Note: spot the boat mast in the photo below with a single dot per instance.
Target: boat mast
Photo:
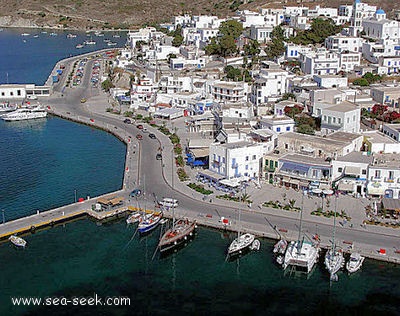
(334, 227)
(300, 243)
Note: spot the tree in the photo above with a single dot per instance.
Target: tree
(107, 85)
(213, 48)
(178, 40)
(276, 47)
(252, 48)
(305, 129)
(292, 111)
(231, 28)
(320, 29)
(227, 46)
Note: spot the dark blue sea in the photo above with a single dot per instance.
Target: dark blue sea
(44, 162)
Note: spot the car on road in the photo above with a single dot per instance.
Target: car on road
(139, 136)
(152, 136)
(158, 156)
(127, 121)
(135, 193)
(140, 126)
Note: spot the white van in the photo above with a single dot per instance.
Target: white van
(168, 203)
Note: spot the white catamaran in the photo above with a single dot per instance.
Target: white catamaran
(301, 254)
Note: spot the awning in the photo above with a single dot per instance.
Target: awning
(375, 190)
(233, 183)
(295, 182)
(211, 175)
(200, 152)
(286, 179)
(345, 186)
(288, 166)
(351, 170)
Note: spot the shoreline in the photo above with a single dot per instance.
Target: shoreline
(202, 220)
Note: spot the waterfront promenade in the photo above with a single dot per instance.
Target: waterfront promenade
(263, 221)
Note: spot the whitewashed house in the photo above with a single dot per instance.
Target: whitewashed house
(236, 160)
(384, 176)
(320, 62)
(344, 117)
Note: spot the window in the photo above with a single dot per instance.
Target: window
(278, 129)
(288, 128)
(377, 174)
(266, 162)
(391, 175)
(247, 167)
(254, 157)
(223, 159)
(247, 158)
(364, 171)
(340, 169)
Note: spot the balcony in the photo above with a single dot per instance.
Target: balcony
(389, 180)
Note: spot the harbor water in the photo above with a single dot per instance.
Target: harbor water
(44, 162)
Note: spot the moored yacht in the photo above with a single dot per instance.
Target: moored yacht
(240, 244)
(180, 232)
(302, 255)
(334, 260)
(355, 262)
(25, 114)
(148, 224)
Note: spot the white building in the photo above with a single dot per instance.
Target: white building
(359, 13)
(349, 60)
(228, 92)
(392, 130)
(384, 176)
(235, 160)
(344, 117)
(388, 95)
(261, 34)
(278, 123)
(340, 43)
(320, 62)
(330, 81)
(378, 27)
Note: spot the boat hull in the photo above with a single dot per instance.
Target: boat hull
(175, 238)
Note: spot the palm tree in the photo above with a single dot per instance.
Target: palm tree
(244, 198)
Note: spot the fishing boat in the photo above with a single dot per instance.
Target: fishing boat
(180, 232)
(133, 218)
(301, 254)
(355, 262)
(280, 247)
(70, 35)
(90, 42)
(78, 46)
(111, 43)
(334, 259)
(25, 114)
(18, 241)
(148, 224)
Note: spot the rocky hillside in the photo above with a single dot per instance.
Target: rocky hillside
(99, 14)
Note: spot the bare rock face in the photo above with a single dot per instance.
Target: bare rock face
(10, 21)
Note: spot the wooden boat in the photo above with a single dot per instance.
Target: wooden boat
(178, 234)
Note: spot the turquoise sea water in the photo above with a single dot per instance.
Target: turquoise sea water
(43, 162)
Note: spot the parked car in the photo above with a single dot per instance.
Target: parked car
(127, 121)
(135, 193)
(158, 156)
(140, 126)
(139, 136)
(152, 136)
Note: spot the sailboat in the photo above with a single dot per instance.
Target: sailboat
(180, 232)
(301, 254)
(241, 244)
(334, 259)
